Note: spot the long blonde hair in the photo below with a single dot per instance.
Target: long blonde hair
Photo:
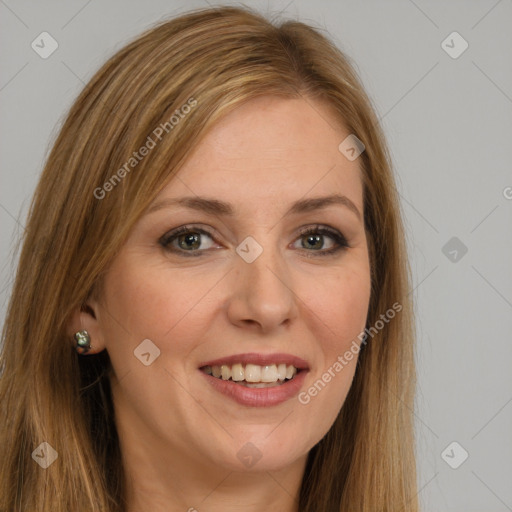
(221, 57)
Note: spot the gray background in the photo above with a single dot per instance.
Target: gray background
(449, 126)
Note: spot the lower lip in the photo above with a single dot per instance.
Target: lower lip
(258, 397)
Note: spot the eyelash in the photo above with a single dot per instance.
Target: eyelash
(341, 241)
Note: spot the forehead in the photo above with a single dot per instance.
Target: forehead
(270, 148)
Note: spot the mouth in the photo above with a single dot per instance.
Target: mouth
(253, 375)
(256, 380)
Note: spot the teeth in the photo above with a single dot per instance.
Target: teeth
(281, 372)
(253, 375)
(269, 373)
(290, 371)
(225, 372)
(237, 372)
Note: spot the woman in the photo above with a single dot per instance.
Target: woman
(211, 308)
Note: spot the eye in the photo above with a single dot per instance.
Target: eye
(313, 240)
(189, 241)
(186, 239)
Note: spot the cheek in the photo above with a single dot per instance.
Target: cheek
(138, 302)
(340, 312)
(156, 303)
(341, 309)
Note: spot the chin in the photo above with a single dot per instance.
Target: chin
(263, 451)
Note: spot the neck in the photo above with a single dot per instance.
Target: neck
(172, 476)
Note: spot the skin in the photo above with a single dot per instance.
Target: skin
(180, 437)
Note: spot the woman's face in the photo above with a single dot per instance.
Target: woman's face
(241, 284)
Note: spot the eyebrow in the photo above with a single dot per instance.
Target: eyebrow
(216, 207)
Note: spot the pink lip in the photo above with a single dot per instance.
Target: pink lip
(259, 359)
(257, 397)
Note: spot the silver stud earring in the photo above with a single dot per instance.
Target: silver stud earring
(83, 342)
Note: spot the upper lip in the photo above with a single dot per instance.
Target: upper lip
(259, 359)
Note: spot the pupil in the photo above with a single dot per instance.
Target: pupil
(313, 238)
(192, 240)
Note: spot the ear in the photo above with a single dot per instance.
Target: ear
(85, 318)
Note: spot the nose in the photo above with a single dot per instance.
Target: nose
(262, 293)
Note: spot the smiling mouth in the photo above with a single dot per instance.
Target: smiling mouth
(253, 375)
